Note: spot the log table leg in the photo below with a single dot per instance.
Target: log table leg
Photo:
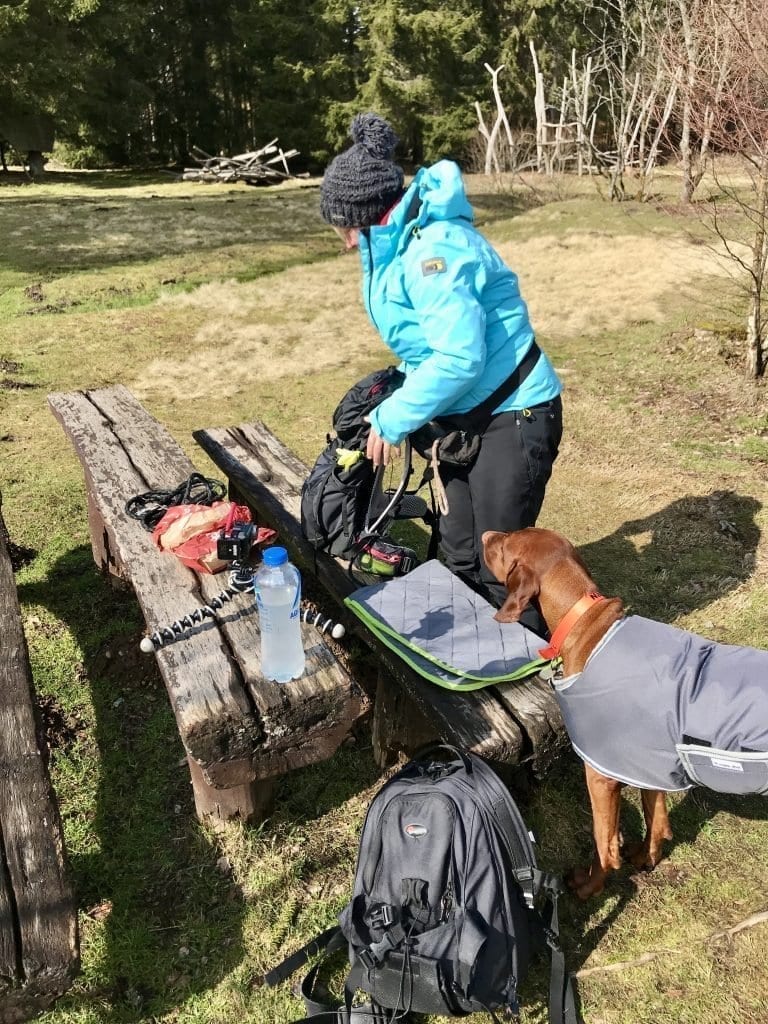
(398, 725)
(251, 803)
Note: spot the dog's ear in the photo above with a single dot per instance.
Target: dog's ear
(523, 585)
(493, 544)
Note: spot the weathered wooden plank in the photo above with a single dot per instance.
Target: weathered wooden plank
(218, 805)
(39, 951)
(532, 704)
(268, 477)
(306, 719)
(153, 452)
(398, 726)
(303, 721)
(236, 724)
(217, 723)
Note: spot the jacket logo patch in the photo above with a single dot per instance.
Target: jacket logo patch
(434, 266)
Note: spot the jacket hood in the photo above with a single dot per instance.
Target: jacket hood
(442, 194)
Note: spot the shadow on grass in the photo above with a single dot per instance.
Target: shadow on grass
(90, 232)
(680, 558)
(560, 814)
(171, 913)
(87, 230)
(95, 180)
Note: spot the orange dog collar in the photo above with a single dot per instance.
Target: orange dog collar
(567, 623)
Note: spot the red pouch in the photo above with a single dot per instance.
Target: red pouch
(191, 532)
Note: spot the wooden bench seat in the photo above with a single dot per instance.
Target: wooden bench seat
(39, 947)
(239, 731)
(505, 724)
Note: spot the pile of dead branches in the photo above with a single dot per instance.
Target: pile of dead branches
(265, 166)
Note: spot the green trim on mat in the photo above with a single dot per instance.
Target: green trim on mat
(387, 635)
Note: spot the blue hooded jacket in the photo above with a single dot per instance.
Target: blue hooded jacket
(445, 303)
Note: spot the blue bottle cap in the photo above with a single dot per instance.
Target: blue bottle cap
(275, 556)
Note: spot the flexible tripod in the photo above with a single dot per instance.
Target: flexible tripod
(240, 582)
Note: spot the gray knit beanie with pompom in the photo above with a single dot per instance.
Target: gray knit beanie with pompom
(362, 183)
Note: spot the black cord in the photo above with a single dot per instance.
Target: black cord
(150, 507)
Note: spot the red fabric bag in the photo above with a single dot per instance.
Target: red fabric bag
(191, 532)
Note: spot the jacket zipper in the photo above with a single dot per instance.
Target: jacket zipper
(370, 283)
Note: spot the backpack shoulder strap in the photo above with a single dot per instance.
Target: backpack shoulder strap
(562, 1000)
(326, 942)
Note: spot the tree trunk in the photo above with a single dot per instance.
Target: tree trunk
(686, 155)
(755, 349)
(540, 109)
(36, 163)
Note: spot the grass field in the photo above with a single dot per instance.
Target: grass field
(216, 304)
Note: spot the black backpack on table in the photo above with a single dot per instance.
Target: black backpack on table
(343, 507)
(445, 912)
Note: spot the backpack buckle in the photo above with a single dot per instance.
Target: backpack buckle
(374, 954)
(366, 957)
(526, 878)
(383, 916)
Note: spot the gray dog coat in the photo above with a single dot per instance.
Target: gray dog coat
(661, 708)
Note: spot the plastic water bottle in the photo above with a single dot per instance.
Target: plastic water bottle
(277, 585)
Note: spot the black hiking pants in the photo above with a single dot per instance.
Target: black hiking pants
(502, 490)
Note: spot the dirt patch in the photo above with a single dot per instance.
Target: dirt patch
(11, 383)
(53, 307)
(664, 875)
(60, 730)
(126, 666)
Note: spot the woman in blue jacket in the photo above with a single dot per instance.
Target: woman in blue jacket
(442, 299)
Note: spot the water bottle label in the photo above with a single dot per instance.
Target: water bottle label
(296, 609)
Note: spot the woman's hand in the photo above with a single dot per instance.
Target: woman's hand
(380, 451)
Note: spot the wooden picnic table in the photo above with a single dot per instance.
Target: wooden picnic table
(506, 724)
(240, 731)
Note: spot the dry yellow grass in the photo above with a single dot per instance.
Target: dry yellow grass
(304, 317)
(584, 282)
(313, 316)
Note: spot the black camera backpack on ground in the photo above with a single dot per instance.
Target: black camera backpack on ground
(444, 917)
(344, 509)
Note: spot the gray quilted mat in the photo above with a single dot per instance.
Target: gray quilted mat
(445, 630)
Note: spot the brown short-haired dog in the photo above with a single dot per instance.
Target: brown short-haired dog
(644, 703)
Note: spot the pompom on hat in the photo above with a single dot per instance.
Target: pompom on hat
(362, 183)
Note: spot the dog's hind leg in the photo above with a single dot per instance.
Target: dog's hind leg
(647, 854)
(605, 797)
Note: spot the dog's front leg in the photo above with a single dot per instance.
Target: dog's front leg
(605, 797)
(657, 828)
